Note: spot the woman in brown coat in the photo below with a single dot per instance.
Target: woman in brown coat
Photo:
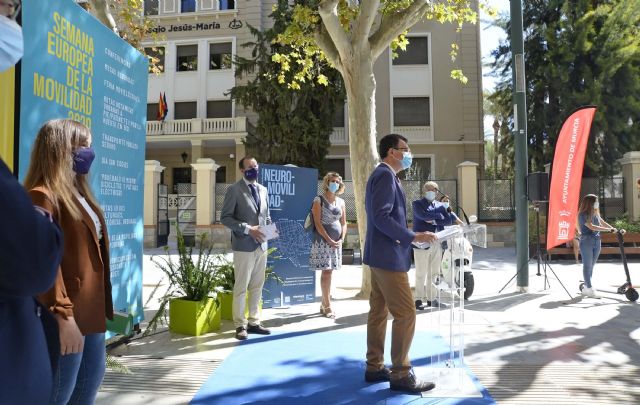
(81, 296)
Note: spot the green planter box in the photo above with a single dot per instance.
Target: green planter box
(226, 302)
(194, 317)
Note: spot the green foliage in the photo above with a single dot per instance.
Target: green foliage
(115, 365)
(578, 53)
(294, 120)
(624, 222)
(226, 276)
(187, 279)
(307, 25)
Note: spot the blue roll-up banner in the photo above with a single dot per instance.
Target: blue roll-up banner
(74, 67)
(291, 191)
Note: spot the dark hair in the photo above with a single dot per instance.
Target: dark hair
(389, 141)
(241, 162)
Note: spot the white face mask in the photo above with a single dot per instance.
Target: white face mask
(430, 195)
(11, 46)
(596, 205)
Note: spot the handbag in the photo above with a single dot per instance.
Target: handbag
(309, 224)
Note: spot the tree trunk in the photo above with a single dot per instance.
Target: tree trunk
(360, 84)
(496, 131)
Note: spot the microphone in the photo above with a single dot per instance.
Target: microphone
(466, 218)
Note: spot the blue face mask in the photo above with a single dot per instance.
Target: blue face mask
(82, 159)
(251, 174)
(407, 159)
(333, 187)
(430, 195)
(446, 204)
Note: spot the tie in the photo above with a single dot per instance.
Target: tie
(254, 192)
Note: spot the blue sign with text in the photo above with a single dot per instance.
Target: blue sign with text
(74, 67)
(291, 191)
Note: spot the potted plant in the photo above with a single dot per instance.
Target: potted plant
(194, 308)
(226, 280)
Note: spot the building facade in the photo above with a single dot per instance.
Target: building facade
(415, 95)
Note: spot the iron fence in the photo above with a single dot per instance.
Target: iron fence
(496, 200)
(610, 192)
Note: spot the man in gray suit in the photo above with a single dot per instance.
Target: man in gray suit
(245, 210)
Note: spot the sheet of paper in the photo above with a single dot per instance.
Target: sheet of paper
(449, 232)
(270, 231)
(421, 245)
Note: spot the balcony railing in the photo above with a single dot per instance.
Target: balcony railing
(197, 126)
(415, 133)
(339, 136)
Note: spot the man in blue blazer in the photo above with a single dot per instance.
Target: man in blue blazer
(244, 211)
(429, 215)
(31, 248)
(387, 251)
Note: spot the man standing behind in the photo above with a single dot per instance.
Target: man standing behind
(387, 251)
(244, 211)
(428, 215)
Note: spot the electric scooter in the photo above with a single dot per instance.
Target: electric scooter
(626, 288)
(459, 253)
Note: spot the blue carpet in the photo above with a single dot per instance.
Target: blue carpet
(315, 368)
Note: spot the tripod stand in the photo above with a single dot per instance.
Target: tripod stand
(541, 258)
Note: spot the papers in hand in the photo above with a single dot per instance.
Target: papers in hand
(421, 245)
(450, 232)
(269, 231)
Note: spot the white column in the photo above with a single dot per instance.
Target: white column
(631, 171)
(152, 171)
(468, 187)
(205, 186)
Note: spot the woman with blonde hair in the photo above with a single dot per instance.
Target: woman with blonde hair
(80, 299)
(590, 224)
(330, 221)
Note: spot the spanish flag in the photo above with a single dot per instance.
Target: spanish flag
(162, 107)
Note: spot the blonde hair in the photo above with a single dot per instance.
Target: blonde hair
(430, 184)
(51, 164)
(586, 206)
(327, 178)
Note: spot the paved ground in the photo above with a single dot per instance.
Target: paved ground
(525, 348)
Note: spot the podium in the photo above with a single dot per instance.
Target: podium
(447, 368)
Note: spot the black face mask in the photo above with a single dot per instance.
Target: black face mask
(251, 174)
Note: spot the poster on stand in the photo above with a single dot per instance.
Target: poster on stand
(291, 191)
(74, 67)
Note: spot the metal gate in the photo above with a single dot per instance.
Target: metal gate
(186, 214)
(162, 226)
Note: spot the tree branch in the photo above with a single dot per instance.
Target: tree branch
(325, 42)
(328, 10)
(364, 22)
(102, 11)
(395, 25)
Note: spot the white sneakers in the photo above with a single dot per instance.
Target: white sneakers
(589, 292)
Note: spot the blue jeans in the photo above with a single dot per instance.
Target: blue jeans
(79, 375)
(590, 250)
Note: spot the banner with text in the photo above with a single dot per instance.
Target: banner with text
(291, 191)
(566, 176)
(74, 67)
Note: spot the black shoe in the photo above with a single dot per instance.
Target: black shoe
(410, 383)
(377, 376)
(419, 305)
(258, 329)
(241, 333)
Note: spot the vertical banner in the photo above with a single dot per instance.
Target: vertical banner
(74, 67)
(566, 176)
(291, 191)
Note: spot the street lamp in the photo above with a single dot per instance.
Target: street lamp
(184, 156)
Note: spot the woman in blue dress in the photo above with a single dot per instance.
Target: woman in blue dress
(590, 224)
(330, 221)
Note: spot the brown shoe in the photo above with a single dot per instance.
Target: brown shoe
(241, 333)
(410, 383)
(377, 376)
